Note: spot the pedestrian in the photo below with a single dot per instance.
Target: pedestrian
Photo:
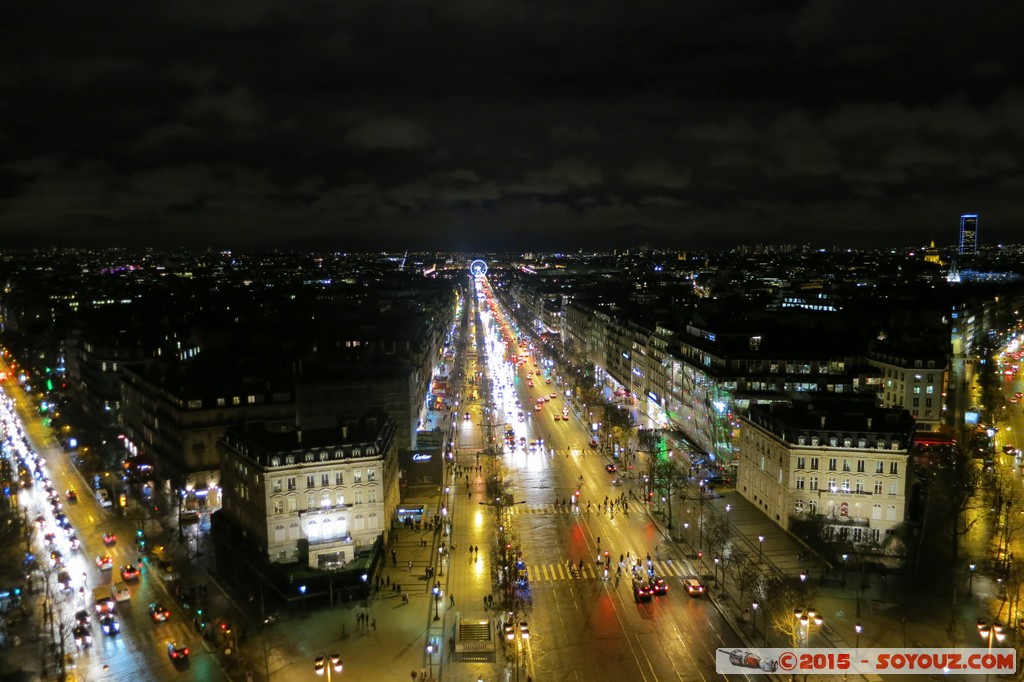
(451, 600)
(394, 558)
(387, 580)
(373, 624)
(410, 567)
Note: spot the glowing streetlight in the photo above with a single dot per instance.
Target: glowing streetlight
(324, 664)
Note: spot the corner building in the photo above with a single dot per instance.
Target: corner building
(844, 469)
(315, 497)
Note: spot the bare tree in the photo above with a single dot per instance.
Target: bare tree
(781, 597)
(745, 573)
(267, 654)
(956, 480)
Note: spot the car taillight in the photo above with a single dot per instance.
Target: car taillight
(185, 652)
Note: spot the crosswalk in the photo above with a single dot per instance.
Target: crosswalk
(591, 571)
(527, 509)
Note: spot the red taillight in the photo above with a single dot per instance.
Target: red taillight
(185, 653)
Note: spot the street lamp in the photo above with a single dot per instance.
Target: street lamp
(728, 508)
(320, 665)
(805, 618)
(991, 631)
(970, 580)
(753, 619)
(437, 599)
(430, 659)
(717, 560)
(760, 547)
(858, 628)
(517, 637)
(686, 531)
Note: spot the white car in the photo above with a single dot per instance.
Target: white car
(103, 497)
(120, 592)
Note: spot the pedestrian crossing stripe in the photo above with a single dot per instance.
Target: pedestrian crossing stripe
(554, 509)
(558, 572)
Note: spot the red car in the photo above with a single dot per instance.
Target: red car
(129, 572)
(641, 591)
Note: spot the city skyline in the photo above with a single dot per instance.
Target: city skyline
(491, 127)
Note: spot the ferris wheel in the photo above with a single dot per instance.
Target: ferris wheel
(478, 268)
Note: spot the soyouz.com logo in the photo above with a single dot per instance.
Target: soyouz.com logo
(920, 661)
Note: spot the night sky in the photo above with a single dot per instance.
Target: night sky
(529, 124)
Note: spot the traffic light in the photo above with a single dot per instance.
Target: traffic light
(700, 555)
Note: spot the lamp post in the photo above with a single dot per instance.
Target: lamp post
(858, 628)
(805, 618)
(991, 631)
(440, 561)
(728, 508)
(753, 619)
(686, 531)
(760, 547)
(437, 598)
(970, 580)
(517, 636)
(717, 560)
(322, 664)
(430, 659)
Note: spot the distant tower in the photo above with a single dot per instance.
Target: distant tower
(968, 234)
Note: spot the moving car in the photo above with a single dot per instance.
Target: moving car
(158, 613)
(120, 592)
(83, 617)
(64, 580)
(610, 468)
(641, 591)
(109, 539)
(658, 585)
(109, 624)
(56, 558)
(103, 497)
(105, 562)
(83, 636)
(72, 495)
(104, 603)
(129, 572)
(694, 587)
(177, 651)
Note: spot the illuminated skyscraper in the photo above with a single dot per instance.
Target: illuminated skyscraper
(968, 234)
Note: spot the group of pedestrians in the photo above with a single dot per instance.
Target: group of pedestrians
(363, 619)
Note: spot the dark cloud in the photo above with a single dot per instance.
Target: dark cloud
(489, 124)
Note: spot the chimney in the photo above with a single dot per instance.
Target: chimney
(869, 423)
(298, 434)
(344, 432)
(822, 421)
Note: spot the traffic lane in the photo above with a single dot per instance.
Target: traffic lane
(685, 628)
